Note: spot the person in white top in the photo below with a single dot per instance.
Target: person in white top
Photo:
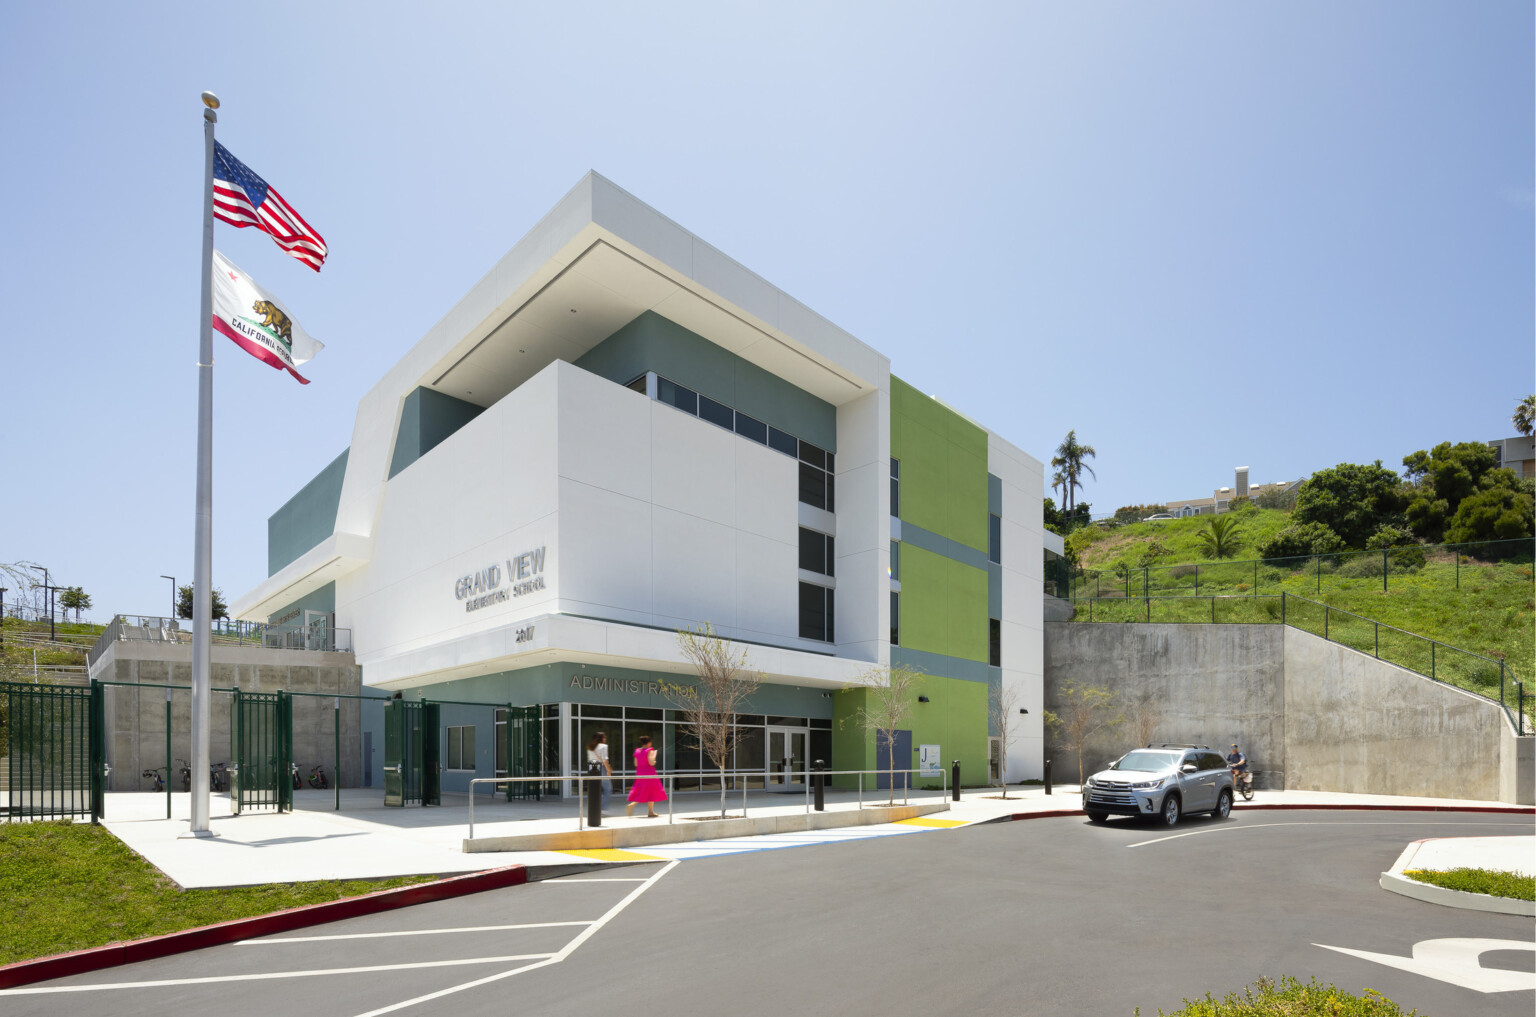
(597, 752)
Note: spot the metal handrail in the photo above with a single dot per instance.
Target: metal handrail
(670, 777)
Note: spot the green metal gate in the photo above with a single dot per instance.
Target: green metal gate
(412, 753)
(262, 727)
(53, 737)
(523, 751)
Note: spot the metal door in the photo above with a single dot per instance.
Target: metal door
(787, 758)
(523, 751)
(54, 747)
(262, 724)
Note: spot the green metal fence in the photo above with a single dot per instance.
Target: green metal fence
(1452, 566)
(52, 736)
(524, 751)
(262, 727)
(1470, 672)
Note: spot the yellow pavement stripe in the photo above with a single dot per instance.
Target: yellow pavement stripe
(940, 823)
(613, 855)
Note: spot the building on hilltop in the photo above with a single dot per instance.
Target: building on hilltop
(621, 432)
(1517, 454)
(1221, 498)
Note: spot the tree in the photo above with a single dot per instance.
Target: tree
(1301, 540)
(1084, 711)
(1221, 537)
(890, 696)
(184, 603)
(1525, 416)
(1146, 713)
(1281, 498)
(1002, 704)
(1069, 460)
(1053, 518)
(1352, 500)
(1136, 513)
(75, 599)
(709, 708)
(1442, 477)
(1501, 511)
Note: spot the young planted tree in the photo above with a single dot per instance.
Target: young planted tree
(890, 696)
(1145, 714)
(1085, 710)
(1001, 706)
(75, 599)
(184, 603)
(709, 709)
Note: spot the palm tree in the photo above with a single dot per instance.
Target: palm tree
(1058, 482)
(1220, 537)
(1069, 460)
(1525, 416)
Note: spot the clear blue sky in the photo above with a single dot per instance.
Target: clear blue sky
(1204, 235)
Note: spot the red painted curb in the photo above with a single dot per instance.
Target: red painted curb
(1516, 810)
(95, 958)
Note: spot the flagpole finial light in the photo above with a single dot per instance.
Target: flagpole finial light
(210, 100)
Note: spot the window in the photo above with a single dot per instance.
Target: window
(896, 487)
(895, 618)
(638, 385)
(461, 748)
(717, 413)
(816, 552)
(816, 613)
(749, 427)
(994, 538)
(685, 399)
(782, 441)
(816, 469)
(896, 560)
(996, 642)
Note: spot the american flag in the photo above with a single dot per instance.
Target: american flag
(241, 198)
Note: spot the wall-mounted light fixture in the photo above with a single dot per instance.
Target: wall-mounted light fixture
(922, 699)
(1023, 710)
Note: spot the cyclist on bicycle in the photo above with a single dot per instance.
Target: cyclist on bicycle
(1238, 764)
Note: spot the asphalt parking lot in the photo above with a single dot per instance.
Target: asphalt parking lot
(1050, 916)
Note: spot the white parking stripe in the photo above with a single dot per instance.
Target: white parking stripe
(212, 979)
(412, 932)
(1234, 827)
(556, 959)
(639, 879)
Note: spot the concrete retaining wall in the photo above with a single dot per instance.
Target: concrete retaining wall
(1215, 685)
(1311, 715)
(135, 718)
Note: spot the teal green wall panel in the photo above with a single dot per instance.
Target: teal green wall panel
(323, 599)
(654, 343)
(307, 518)
(427, 418)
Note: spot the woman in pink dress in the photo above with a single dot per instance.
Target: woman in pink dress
(647, 787)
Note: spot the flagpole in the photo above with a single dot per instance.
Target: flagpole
(202, 555)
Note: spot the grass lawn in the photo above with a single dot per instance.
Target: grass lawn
(1493, 882)
(1290, 998)
(67, 886)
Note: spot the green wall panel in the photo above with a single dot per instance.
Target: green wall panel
(943, 466)
(427, 419)
(307, 518)
(943, 605)
(654, 343)
(323, 599)
(954, 718)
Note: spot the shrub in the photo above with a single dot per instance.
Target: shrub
(1299, 540)
(1406, 552)
(1361, 566)
(1493, 882)
(1290, 998)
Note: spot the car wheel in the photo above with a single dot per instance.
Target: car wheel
(1170, 811)
(1099, 817)
(1223, 805)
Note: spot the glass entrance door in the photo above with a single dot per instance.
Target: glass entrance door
(787, 758)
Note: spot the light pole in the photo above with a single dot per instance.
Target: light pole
(173, 595)
(47, 599)
(2, 615)
(51, 590)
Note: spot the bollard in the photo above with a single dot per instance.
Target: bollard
(818, 786)
(1047, 776)
(954, 780)
(594, 792)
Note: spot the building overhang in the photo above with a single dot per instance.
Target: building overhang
(554, 638)
(327, 561)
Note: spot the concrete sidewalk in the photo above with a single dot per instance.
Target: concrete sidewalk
(365, 840)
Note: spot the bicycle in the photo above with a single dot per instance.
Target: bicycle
(158, 776)
(1242, 783)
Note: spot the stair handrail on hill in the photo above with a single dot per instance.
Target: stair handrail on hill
(1472, 669)
(1519, 549)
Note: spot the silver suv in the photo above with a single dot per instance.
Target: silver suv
(1161, 780)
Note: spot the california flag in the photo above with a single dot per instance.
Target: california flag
(257, 321)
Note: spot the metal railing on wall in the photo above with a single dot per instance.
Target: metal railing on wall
(226, 632)
(1471, 672)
